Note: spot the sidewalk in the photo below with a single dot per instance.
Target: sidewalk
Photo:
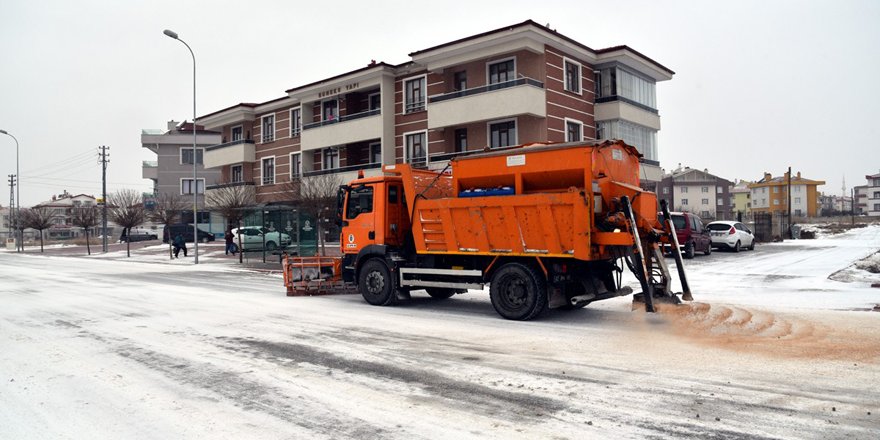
(157, 252)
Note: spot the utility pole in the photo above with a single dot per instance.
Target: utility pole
(789, 203)
(11, 226)
(104, 159)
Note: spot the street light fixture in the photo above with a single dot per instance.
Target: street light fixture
(17, 217)
(195, 184)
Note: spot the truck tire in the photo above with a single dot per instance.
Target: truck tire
(376, 284)
(518, 292)
(440, 293)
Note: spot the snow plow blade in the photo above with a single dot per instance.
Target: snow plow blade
(306, 276)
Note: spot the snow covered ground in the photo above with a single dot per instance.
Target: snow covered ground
(144, 347)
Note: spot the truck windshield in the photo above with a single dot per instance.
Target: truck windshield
(360, 200)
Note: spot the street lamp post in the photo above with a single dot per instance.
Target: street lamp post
(195, 184)
(17, 217)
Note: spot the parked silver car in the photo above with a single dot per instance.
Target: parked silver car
(253, 237)
(730, 234)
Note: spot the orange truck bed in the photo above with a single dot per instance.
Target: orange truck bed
(546, 196)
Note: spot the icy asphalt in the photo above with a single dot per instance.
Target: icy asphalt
(143, 347)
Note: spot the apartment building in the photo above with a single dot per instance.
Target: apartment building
(868, 196)
(61, 208)
(697, 191)
(518, 84)
(172, 171)
(770, 195)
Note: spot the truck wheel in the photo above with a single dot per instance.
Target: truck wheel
(517, 292)
(440, 293)
(689, 250)
(375, 283)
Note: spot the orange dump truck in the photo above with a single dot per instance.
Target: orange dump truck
(544, 225)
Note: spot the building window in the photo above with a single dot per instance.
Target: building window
(684, 202)
(797, 189)
(876, 195)
(186, 156)
(776, 189)
(376, 152)
(460, 140)
(684, 190)
(572, 76)
(268, 128)
(415, 95)
(719, 202)
(704, 189)
(503, 71)
(235, 174)
(295, 165)
(416, 148)
(236, 133)
(665, 190)
(330, 110)
(776, 202)
(797, 212)
(268, 171)
(295, 122)
(877, 207)
(186, 186)
(375, 101)
(705, 201)
(797, 200)
(331, 159)
(459, 81)
(616, 81)
(719, 190)
(573, 130)
(641, 137)
(502, 134)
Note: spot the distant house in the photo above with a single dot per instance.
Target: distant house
(868, 196)
(697, 191)
(742, 199)
(770, 195)
(62, 206)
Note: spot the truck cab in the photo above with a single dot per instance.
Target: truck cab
(373, 215)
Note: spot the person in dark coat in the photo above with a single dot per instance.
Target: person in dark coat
(230, 245)
(179, 243)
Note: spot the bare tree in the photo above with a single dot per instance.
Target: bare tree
(167, 213)
(127, 210)
(316, 196)
(231, 201)
(85, 217)
(39, 218)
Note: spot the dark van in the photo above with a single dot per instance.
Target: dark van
(187, 232)
(692, 235)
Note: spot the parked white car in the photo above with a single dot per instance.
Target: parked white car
(731, 235)
(253, 237)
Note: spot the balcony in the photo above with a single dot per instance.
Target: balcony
(523, 96)
(347, 129)
(230, 153)
(151, 169)
(244, 192)
(625, 109)
(344, 170)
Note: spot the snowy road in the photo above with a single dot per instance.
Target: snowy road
(99, 348)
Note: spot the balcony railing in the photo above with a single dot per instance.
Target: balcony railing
(366, 166)
(150, 164)
(228, 144)
(489, 88)
(613, 98)
(229, 185)
(342, 119)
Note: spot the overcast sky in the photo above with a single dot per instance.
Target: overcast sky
(759, 85)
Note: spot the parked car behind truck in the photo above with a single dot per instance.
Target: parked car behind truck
(731, 235)
(255, 237)
(693, 236)
(187, 232)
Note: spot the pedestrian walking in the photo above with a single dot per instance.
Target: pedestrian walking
(179, 243)
(230, 244)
